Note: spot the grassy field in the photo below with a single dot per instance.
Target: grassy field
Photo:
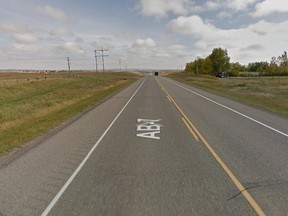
(268, 93)
(31, 104)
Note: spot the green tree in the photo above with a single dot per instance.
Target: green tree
(283, 59)
(207, 67)
(236, 68)
(258, 67)
(200, 66)
(273, 67)
(189, 67)
(220, 60)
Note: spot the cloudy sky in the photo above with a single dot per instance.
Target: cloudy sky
(150, 34)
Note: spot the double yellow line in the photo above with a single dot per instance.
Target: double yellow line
(197, 135)
(185, 119)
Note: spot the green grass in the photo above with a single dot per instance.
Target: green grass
(35, 104)
(268, 93)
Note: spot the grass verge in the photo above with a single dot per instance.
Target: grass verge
(268, 93)
(36, 103)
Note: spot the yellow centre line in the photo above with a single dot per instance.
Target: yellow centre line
(169, 98)
(190, 129)
(233, 178)
(190, 126)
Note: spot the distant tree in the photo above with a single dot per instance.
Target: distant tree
(220, 60)
(200, 66)
(252, 67)
(273, 61)
(284, 64)
(283, 59)
(207, 66)
(189, 67)
(258, 67)
(262, 67)
(236, 68)
(273, 67)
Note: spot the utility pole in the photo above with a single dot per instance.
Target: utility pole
(120, 62)
(96, 61)
(68, 61)
(197, 69)
(102, 56)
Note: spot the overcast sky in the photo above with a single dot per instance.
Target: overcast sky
(154, 34)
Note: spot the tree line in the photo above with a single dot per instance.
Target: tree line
(219, 61)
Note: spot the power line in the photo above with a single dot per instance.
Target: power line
(68, 61)
(102, 55)
(120, 64)
(96, 60)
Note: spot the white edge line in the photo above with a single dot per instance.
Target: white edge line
(254, 120)
(68, 182)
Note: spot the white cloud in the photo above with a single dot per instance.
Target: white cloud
(268, 7)
(239, 5)
(192, 25)
(143, 47)
(2, 55)
(224, 14)
(253, 47)
(79, 40)
(72, 48)
(159, 56)
(262, 39)
(144, 43)
(160, 8)
(54, 13)
(12, 27)
(68, 48)
(27, 47)
(205, 31)
(177, 51)
(262, 27)
(26, 38)
(61, 32)
(212, 5)
(201, 45)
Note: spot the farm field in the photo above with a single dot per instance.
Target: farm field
(268, 93)
(32, 103)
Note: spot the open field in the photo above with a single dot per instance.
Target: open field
(31, 104)
(268, 93)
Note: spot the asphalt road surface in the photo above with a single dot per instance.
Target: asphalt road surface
(156, 148)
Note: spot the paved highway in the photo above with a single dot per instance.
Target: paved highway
(157, 148)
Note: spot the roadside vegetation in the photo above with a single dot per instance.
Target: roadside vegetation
(219, 61)
(260, 84)
(268, 93)
(31, 104)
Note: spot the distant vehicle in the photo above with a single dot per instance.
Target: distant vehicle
(222, 75)
(156, 73)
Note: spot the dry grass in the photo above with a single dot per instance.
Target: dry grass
(37, 102)
(269, 93)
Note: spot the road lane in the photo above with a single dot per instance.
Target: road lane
(75, 173)
(239, 113)
(256, 154)
(132, 175)
(198, 136)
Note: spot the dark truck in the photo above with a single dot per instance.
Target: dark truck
(222, 74)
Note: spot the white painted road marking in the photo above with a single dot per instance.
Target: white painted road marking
(63, 189)
(149, 127)
(232, 110)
